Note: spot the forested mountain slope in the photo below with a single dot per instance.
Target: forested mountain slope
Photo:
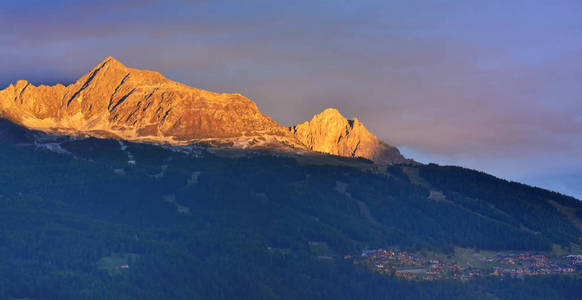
(91, 218)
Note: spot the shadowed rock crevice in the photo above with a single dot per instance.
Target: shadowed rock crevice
(22, 92)
(115, 92)
(121, 100)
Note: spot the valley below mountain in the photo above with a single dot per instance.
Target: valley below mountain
(122, 218)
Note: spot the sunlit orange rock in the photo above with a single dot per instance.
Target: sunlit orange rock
(330, 132)
(115, 101)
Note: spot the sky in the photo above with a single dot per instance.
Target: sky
(489, 85)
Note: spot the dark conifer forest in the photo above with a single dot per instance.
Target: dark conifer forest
(172, 223)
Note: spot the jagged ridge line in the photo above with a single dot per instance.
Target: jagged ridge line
(86, 84)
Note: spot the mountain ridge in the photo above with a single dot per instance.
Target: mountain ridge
(115, 101)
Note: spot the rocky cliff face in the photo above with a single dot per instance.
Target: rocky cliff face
(115, 101)
(330, 132)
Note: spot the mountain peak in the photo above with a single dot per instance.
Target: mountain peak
(116, 101)
(110, 60)
(109, 63)
(331, 112)
(330, 132)
(334, 115)
(113, 100)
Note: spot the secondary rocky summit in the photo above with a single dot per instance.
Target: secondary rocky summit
(114, 101)
(330, 132)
